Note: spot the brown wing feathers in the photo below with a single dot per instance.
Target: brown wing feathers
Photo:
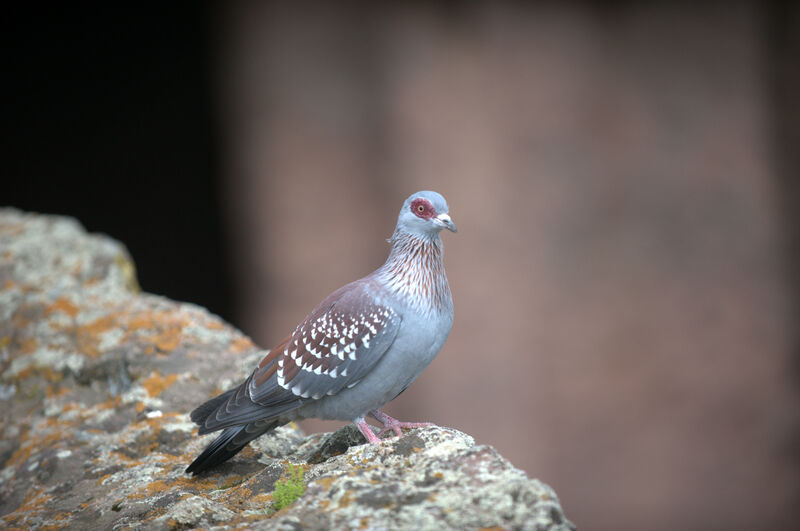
(267, 367)
(330, 350)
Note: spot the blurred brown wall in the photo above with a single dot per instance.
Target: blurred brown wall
(624, 315)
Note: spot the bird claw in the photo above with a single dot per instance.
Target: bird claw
(391, 423)
(397, 431)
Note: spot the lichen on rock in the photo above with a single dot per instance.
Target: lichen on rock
(96, 382)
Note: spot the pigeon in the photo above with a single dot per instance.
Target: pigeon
(361, 347)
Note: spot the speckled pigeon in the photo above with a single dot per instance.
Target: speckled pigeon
(356, 351)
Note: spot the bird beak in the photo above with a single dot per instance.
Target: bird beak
(445, 222)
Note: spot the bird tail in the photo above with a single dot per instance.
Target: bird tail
(229, 443)
(202, 412)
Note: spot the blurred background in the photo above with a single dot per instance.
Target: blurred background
(623, 175)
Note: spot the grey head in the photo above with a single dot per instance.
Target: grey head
(425, 213)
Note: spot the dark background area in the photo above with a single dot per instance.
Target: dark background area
(109, 117)
(624, 177)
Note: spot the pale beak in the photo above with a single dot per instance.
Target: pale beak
(446, 223)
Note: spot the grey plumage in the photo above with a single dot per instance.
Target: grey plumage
(357, 350)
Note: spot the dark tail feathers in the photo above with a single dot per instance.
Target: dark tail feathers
(228, 444)
(201, 413)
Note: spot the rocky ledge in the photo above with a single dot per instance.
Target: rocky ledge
(98, 378)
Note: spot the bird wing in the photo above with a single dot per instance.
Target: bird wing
(333, 348)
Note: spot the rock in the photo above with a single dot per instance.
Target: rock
(97, 382)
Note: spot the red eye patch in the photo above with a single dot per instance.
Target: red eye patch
(422, 208)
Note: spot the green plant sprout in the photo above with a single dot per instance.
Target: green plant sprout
(290, 487)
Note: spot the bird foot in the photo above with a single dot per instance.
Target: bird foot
(366, 431)
(391, 423)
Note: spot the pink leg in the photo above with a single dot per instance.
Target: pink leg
(390, 423)
(366, 431)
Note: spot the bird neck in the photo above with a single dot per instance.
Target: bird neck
(415, 269)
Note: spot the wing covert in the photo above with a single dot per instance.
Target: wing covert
(333, 348)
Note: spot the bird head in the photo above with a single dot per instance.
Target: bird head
(425, 213)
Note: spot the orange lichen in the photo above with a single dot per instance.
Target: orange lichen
(63, 518)
(19, 321)
(157, 384)
(100, 325)
(239, 496)
(119, 457)
(158, 422)
(163, 329)
(148, 444)
(36, 440)
(143, 320)
(347, 498)
(248, 452)
(36, 500)
(155, 513)
(87, 337)
(241, 343)
(154, 487)
(155, 320)
(50, 392)
(45, 372)
(27, 345)
(159, 486)
(168, 340)
(326, 482)
(213, 325)
(111, 403)
(61, 304)
(20, 455)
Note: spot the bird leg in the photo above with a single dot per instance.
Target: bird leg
(366, 431)
(391, 423)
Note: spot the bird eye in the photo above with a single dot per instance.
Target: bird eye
(420, 209)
